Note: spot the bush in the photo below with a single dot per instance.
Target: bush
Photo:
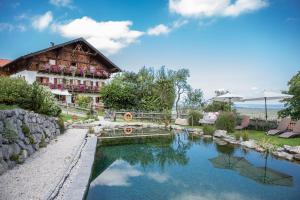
(14, 157)
(83, 101)
(61, 124)
(237, 135)
(194, 117)
(26, 130)
(226, 121)
(16, 91)
(245, 136)
(10, 135)
(217, 106)
(208, 129)
(42, 143)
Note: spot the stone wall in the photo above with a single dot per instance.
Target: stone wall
(21, 134)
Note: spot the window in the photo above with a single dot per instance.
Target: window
(73, 64)
(52, 62)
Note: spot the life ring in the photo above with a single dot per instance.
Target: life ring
(128, 130)
(127, 116)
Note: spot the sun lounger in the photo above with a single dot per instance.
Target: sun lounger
(245, 123)
(282, 127)
(294, 133)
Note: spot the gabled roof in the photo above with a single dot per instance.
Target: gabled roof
(4, 62)
(108, 63)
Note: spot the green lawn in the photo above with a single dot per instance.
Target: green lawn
(67, 117)
(7, 107)
(260, 135)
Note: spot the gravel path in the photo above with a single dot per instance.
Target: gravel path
(43, 170)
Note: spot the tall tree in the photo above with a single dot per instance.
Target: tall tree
(181, 85)
(293, 104)
(194, 99)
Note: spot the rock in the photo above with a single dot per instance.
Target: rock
(3, 166)
(220, 133)
(207, 136)
(21, 144)
(249, 144)
(220, 142)
(280, 149)
(1, 127)
(297, 157)
(15, 149)
(29, 149)
(1, 155)
(6, 152)
(293, 150)
(36, 146)
(11, 164)
(182, 122)
(284, 155)
(1, 139)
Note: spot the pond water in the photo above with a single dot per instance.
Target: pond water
(180, 168)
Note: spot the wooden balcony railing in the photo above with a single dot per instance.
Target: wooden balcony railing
(68, 71)
(74, 88)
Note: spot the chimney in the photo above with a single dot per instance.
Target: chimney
(52, 44)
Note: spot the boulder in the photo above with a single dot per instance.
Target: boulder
(249, 144)
(220, 133)
(6, 152)
(293, 150)
(15, 149)
(284, 155)
(3, 166)
(29, 149)
(183, 122)
(1, 127)
(297, 157)
(22, 157)
(11, 164)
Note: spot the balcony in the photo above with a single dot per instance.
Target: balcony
(73, 71)
(74, 88)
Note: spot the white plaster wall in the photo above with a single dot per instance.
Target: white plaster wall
(30, 76)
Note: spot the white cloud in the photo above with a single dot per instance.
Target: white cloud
(160, 29)
(61, 3)
(158, 177)
(42, 21)
(108, 36)
(11, 27)
(213, 8)
(179, 23)
(117, 174)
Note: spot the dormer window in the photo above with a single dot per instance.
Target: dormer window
(52, 62)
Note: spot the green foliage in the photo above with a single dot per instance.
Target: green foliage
(167, 117)
(31, 140)
(245, 136)
(91, 130)
(217, 106)
(61, 124)
(208, 129)
(42, 143)
(10, 135)
(293, 104)
(237, 135)
(194, 117)
(194, 99)
(226, 121)
(14, 157)
(83, 101)
(26, 130)
(146, 90)
(16, 91)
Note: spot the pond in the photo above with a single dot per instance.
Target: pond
(177, 167)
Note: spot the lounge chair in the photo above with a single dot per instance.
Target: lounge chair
(209, 118)
(294, 133)
(282, 127)
(245, 123)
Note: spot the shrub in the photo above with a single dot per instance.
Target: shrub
(237, 135)
(217, 106)
(26, 130)
(245, 136)
(83, 101)
(42, 143)
(61, 124)
(10, 135)
(14, 157)
(226, 121)
(91, 130)
(208, 129)
(194, 117)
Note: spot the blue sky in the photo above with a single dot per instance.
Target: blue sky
(244, 46)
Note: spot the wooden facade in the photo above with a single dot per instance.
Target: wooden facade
(74, 58)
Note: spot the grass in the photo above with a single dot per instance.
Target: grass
(7, 107)
(67, 117)
(275, 140)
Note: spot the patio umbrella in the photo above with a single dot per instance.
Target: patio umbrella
(263, 175)
(229, 97)
(269, 96)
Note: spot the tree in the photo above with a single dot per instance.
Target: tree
(194, 99)
(181, 85)
(293, 104)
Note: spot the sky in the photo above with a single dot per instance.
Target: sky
(244, 46)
